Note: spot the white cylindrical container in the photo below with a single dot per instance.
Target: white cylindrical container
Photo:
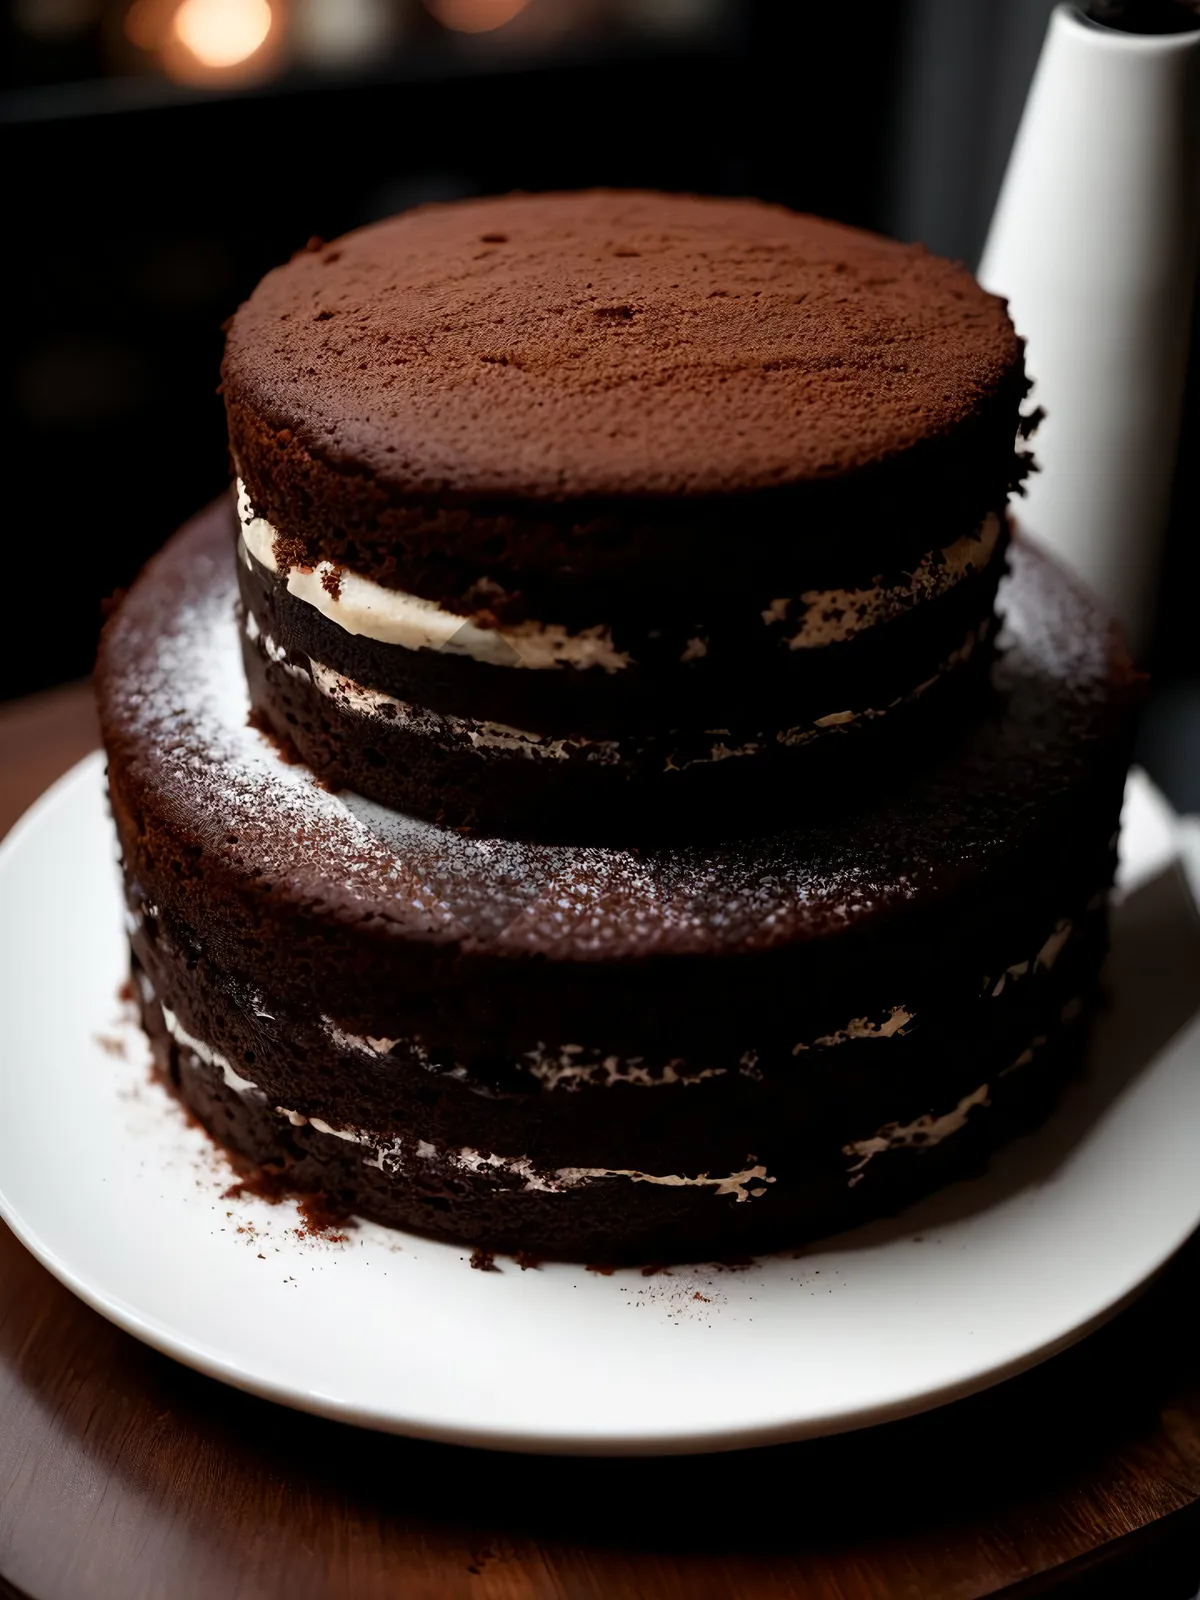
(1093, 242)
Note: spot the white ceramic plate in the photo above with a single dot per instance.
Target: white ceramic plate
(104, 1181)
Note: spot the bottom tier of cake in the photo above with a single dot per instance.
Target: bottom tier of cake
(601, 1053)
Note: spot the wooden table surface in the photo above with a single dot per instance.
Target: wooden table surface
(126, 1477)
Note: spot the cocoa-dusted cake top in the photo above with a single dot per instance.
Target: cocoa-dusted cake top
(613, 344)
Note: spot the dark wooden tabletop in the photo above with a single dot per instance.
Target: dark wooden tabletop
(126, 1477)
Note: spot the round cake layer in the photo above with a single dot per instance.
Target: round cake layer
(555, 509)
(608, 1052)
(593, 409)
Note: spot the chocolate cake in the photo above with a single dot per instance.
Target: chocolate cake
(578, 514)
(604, 824)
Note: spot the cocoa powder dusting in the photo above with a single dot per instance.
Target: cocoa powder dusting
(321, 1218)
(685, 346)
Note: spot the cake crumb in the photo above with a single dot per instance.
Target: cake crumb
(484, 1261)
(319, 1219)
(261, 1183)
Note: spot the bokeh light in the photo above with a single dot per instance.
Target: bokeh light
(222, 33)
(475, 16)
(207, 41)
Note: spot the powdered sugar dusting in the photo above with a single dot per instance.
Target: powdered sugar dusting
(187, 704)
(196, 688)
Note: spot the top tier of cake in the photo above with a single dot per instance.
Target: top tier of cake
(554, 506)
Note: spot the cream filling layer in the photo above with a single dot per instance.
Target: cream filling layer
(833, 615)
(205, 1053)
(463, 730)
(1042, 962)
(930, 1129)
(925, 1130)
(397, 1155)
(805, 734)
(895, 1024)
(394, 1156)
(361, 606)
(861, 1028)
(484, 735)
(571, 1066)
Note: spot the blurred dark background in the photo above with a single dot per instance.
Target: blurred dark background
(160, 155)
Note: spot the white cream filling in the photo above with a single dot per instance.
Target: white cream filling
(485, 735)
(564, 1067)
(1042, 962)
(833, 615)
(573, 1065)
(746, 1185)
(805, 733)
(930, 1129)
(898, 1017)
(391, 1156)
(445, 725)
(840, 719)
(861, 1028)
(206, 1054)
(379, 1049)
(394, 1156)
(361, 606)
(925, 1130)
(542, 747)
(550, 1068)
(364, 1043)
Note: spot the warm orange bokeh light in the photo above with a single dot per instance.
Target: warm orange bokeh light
(222, 33)
(475, 16)
(203, 41)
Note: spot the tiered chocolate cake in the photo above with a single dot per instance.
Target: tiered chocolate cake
(627, 839)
